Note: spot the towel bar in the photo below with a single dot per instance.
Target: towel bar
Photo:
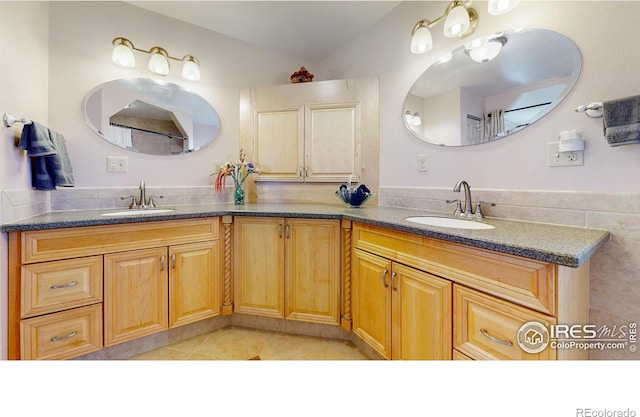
(593, 110)
(9, 120)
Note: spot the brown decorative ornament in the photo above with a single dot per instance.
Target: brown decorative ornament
(301, 76)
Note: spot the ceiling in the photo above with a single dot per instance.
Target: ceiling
(307, 29)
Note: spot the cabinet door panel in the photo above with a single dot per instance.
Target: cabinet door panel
(278, 143)
(371, 303)
(312, 278)
(422, 315)
(193, 283)
(331, 142)
(136, 294)
(259, 266)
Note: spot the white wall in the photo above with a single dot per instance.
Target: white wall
(24, 51)
(81, 35)
(608, 36)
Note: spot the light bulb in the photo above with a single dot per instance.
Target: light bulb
(123, 55)
(158, 63)
(190, 69)
(457, 22)
(421, 40)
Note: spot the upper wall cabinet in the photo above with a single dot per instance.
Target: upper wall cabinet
(310, 132)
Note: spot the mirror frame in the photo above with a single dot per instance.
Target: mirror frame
(194, 122)
(459, 69)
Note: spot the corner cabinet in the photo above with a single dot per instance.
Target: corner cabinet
(74, 291)
(309, 132)
(287, 268)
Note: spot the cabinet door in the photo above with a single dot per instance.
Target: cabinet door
(193, 282)
(259, 266)
(371, 300)
(312, 277)
(332, 138)
(278, 143)
(421, 315)
(135, 299)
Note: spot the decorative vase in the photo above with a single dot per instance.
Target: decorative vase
(238, 193)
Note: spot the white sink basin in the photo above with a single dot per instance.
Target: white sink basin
(137, 212)
(451, 223)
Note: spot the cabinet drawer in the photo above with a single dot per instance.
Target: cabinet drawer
(62, 335)
(48, 245)
(527, 282)
(59, 285)
(487, 327)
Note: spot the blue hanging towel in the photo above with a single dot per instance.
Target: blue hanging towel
(50, 163)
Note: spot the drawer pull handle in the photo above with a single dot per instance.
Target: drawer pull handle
(70, 335)
(495, 339)
(286, 231)
(393, 282)
(71, 284)
(280, 231)
(162, 263)
(173, 261)
(384, 278)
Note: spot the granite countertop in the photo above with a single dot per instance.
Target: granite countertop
(563, 245)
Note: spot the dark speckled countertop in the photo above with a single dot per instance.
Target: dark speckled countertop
(564, 245)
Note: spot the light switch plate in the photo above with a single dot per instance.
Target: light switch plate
(563, 159)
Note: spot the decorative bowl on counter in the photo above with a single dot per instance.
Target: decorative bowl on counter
(354, 197)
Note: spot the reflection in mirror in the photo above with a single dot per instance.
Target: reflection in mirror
(492, 87)
(152, 117)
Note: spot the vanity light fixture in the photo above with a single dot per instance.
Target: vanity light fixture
(158, 62)
(460, 20)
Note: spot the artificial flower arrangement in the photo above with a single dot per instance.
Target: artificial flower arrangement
(239, 171)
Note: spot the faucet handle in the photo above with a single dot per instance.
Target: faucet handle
(479, 214)
(458, 210)
(151, 203)
(133, 201)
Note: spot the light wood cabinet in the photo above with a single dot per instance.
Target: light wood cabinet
(148, 291)
(312, 132)
(494, 294)
(74, 291)
(401, 312)
(193, 282)
(486, 327)
(287, 268)
(136, 295)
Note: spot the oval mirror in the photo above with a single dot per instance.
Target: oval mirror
(151, 117)
(492, 87)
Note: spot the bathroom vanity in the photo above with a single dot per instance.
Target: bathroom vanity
(81, 282)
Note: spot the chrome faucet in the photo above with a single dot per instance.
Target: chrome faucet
(468, 205)
(142, 201)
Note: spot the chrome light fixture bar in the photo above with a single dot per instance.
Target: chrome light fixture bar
(158, 62)
(460, 20)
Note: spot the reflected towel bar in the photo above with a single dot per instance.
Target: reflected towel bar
(9, 120)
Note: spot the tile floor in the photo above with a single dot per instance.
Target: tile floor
(238, 343)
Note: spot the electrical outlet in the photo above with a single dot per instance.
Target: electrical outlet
(563, 159)
(117, 164)
(422, 163)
